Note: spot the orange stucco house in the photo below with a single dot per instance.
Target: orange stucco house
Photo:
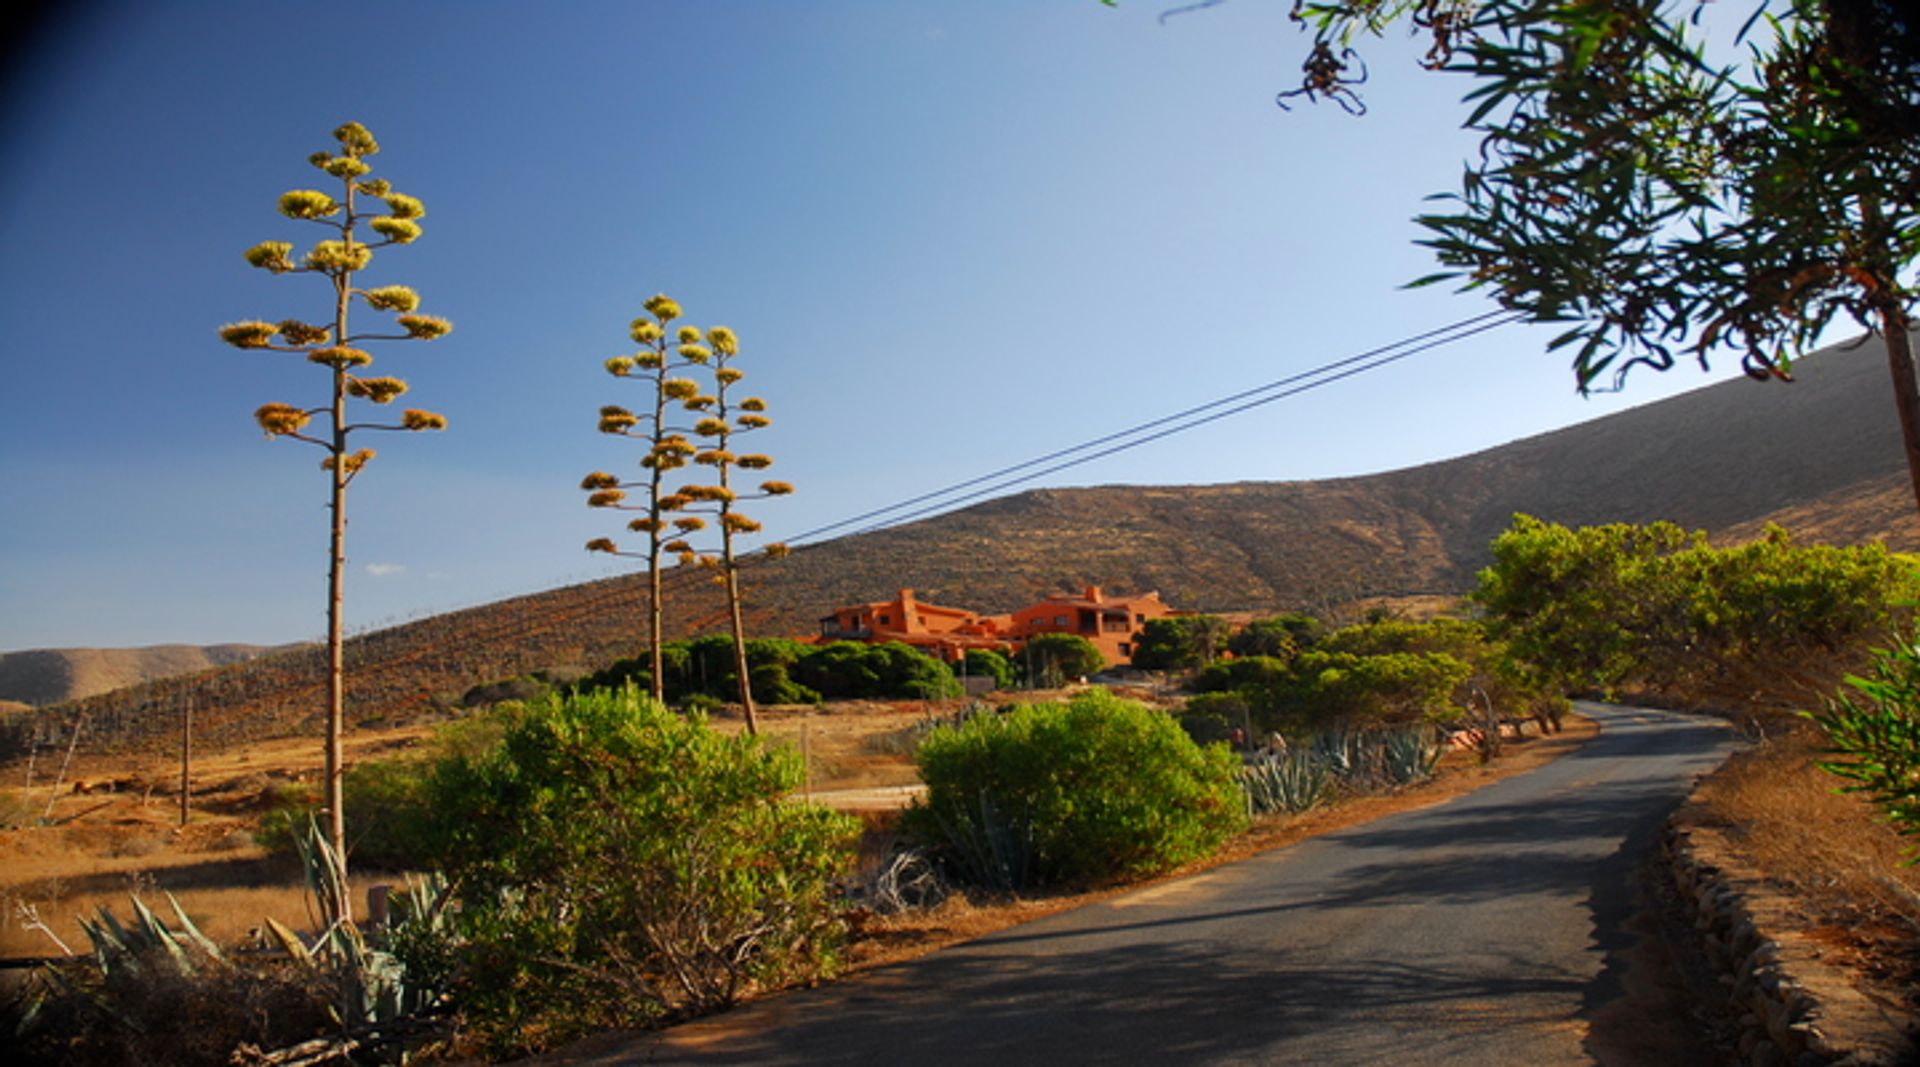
(1107, 621)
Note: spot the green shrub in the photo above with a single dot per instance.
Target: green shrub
(1079, 793)
(1211, 717)
(386, 815)
(520, 688)
(1873, 726)
(854, 670)
(619, 864)
(773, 685)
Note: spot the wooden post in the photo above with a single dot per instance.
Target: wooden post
(186, 751)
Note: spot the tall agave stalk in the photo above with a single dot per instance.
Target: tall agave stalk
(339, 259)
(722, 418)
(658, 364)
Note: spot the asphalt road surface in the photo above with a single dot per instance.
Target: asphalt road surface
(1488, 930)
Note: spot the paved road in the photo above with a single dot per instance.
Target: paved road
(1483, 931)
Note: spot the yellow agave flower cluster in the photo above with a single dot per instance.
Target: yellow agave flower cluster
(340, 259)
(667, 352)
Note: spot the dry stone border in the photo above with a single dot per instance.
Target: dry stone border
(1797, 1008)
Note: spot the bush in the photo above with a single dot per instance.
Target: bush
(1874, 726)
(171, 1004)
(386, 816)
(854, 670)
(620, 864)
(1079, 793)
(1211, 717)
(520, 688)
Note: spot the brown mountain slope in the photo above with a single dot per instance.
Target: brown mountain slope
(1822, 455)
(50, 675)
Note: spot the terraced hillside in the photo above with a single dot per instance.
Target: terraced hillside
(1821, 455)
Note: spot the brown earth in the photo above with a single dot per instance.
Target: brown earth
(51, 675)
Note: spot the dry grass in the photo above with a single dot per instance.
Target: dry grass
(847, 745)
(122, 837)
(1830, 852)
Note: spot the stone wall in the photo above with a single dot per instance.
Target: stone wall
(1796, 1008)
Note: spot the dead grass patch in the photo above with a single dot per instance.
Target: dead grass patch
(1831, 853)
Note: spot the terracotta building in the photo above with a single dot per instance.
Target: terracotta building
(1109, 622)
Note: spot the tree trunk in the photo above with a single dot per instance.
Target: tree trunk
(186, 752)
(1897, 327)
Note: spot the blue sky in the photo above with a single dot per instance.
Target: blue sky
(952, 236)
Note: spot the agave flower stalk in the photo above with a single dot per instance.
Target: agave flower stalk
(660, 363)
(721, 420)
(339, 258)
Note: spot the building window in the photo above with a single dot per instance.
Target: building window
(1060, 621)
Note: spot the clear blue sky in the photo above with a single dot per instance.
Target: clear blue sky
(952, 236)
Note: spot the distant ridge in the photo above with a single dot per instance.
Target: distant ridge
(50, 675)
(1821, 455)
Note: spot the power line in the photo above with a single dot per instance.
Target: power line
(1134, 436)
(1168, 425)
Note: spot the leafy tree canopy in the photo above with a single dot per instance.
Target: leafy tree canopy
(1658, 608)
(1180, 641)
(1052, 659)
(1661, 202)
(1281, 636)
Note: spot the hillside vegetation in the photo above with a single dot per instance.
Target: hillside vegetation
(1822, 456)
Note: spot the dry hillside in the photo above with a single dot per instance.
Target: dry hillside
(51, 675)
(1821, 455)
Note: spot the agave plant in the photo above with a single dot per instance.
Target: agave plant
(377, 987)
(1288, 784)
(1408, 755)
(987, 847)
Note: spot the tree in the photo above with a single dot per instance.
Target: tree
(1664, 204)
(989, 663)
(1050, 659)
(339, 259)
(1176, 642)
(667, 449)
(1281, 636)
(1655, 607)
